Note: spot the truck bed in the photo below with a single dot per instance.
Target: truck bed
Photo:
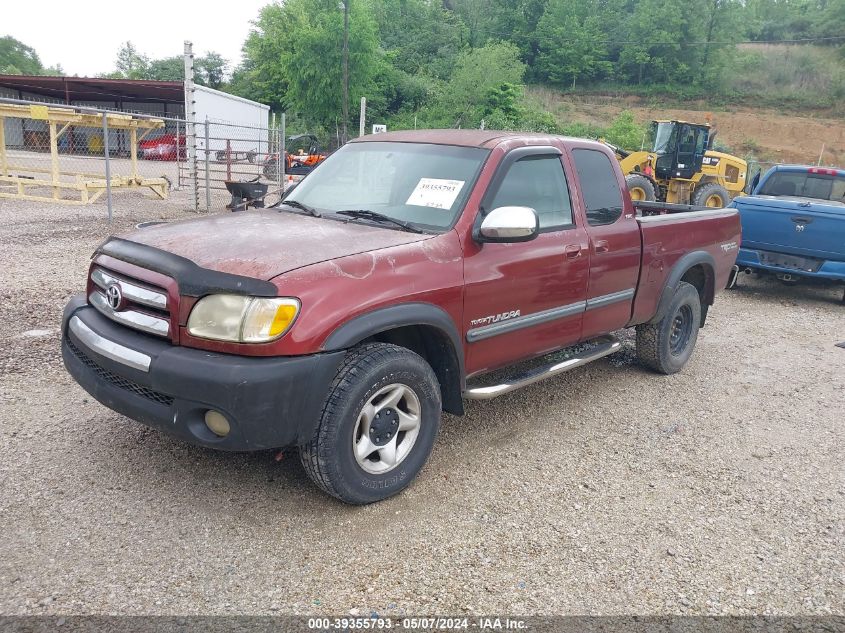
(666, 231)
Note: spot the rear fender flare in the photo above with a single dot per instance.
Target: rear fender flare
(681, 267)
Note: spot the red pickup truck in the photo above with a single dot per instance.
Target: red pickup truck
(387, 288)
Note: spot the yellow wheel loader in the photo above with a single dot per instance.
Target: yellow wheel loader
(682, 167)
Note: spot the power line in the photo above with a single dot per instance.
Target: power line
(805, 40)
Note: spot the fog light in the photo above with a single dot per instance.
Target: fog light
(217, 423)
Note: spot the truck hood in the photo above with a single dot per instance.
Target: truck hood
(266, 244)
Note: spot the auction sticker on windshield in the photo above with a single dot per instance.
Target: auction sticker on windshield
(435, 193)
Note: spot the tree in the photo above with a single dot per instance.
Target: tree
(16, 58)
(166, 69)
(516, 21)
(478, 74)
(262, 75)
(211, 69)
(293, 58)
(130, 63)
(419, 37)
(570, 42)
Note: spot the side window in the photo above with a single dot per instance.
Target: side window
(601, 192)
(537, 182)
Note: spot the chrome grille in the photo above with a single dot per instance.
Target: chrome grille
(130, 302)
(119, 381)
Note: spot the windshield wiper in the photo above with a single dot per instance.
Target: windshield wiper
(366, 214)
(304, 207)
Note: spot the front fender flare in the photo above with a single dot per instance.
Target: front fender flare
(405, 314)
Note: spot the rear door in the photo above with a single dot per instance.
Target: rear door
(522, 300)
(615, 244)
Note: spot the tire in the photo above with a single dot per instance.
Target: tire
(371, 377)
(711, 195)
(667, 345)
(640, 187)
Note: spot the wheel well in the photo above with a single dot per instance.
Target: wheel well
(703, 279)
(436, 348)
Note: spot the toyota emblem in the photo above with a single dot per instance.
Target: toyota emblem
(114, 296)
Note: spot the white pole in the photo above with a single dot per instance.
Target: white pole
(820, 156)
(282, 158)
(363, 119)
(190, 123)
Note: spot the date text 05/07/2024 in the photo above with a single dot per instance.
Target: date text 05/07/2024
(417, 624)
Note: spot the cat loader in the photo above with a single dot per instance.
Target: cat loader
(682, 167)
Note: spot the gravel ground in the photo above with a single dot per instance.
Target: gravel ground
(610, 490)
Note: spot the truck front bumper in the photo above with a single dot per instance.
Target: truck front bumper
(829, 269)
(268, 402)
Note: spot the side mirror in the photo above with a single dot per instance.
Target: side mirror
(509, 224)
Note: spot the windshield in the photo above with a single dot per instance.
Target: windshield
(665, 136)
(426, 185)
(805, 185)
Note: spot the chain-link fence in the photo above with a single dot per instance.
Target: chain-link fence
(80, 155)
(230, 152)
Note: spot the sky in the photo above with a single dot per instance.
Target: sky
(84, 36)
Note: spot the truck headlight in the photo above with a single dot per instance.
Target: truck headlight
(240, 319)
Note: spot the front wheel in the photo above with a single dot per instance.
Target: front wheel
(377, 427)
(667, 345)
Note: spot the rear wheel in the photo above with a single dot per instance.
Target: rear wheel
(640, 187)
(377, 427)
(667, 345)
(711, 195)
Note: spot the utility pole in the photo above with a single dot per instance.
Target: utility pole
(345, 70)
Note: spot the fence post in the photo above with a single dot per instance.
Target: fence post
(190, 123)
(228, 159)
(178, 157)
(207, 172)
(283, 163)
(108, 162)
(3, 162)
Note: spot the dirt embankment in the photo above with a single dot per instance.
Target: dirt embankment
(767, 134)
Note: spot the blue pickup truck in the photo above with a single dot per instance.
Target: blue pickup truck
(793, 224)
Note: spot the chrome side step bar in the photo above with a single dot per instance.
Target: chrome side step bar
(602, 346)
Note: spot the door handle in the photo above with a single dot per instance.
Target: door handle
(573, 251)
(602, 246)
(800, 220)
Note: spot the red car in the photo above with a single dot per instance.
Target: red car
(412, 271)
(163, 147)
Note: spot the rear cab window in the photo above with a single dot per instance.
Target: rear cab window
(599, 187)
(805, 184)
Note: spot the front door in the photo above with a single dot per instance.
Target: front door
(692, 143)
(523, 300)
